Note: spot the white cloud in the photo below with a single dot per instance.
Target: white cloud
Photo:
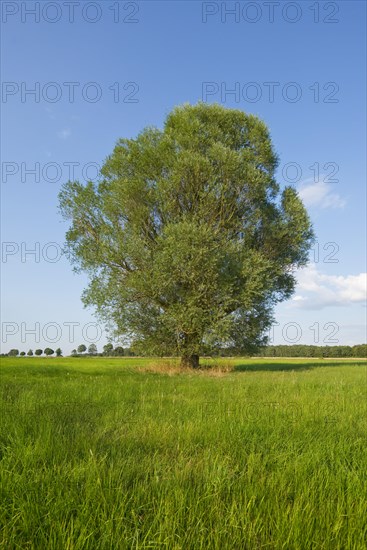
(317, 290)
(319, 194)
(299, 298)
(64, 134)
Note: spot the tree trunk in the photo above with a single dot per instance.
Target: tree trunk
(190, 361)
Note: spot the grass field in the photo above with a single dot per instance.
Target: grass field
(135, 453)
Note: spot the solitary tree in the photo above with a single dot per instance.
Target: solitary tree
(13, 352)
(49, 351)
(22, 353)
(58, 352)
(187, 239)
(119, 351)
(30, 353)
(38, 352)
(82, 348)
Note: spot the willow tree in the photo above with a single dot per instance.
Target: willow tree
(187, 238)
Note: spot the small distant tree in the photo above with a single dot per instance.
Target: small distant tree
(22, 353)
(58, 352)
(92, 349)
(82, 348)
(73, 352)
(49, 351)
(13, 352)
(108, 349)
(38, 352)
(30, 353)
(119, 351)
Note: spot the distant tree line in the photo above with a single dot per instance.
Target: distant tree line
(108, 351)
(38, 352)
(301, 350)
(80, 351)
(298, 350)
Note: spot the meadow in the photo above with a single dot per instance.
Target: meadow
(132, 453)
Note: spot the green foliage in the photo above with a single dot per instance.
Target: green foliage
(302, 350)
(92, 349)
(119, 351)
(30, 353)
(49, 351)
(58, 352)
(38, 352)
(187, 240)
(13, 352)
(22, 353)
(360, 351)
(108, 349)
(128, 352)
(82, 348)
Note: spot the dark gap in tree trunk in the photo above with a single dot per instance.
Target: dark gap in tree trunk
(190, 361)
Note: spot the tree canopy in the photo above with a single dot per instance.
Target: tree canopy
(187, 238)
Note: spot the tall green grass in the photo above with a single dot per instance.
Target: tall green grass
(136, 453)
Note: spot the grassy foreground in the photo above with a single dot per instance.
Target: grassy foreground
(134, 453)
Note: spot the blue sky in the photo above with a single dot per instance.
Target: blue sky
(300, 66)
